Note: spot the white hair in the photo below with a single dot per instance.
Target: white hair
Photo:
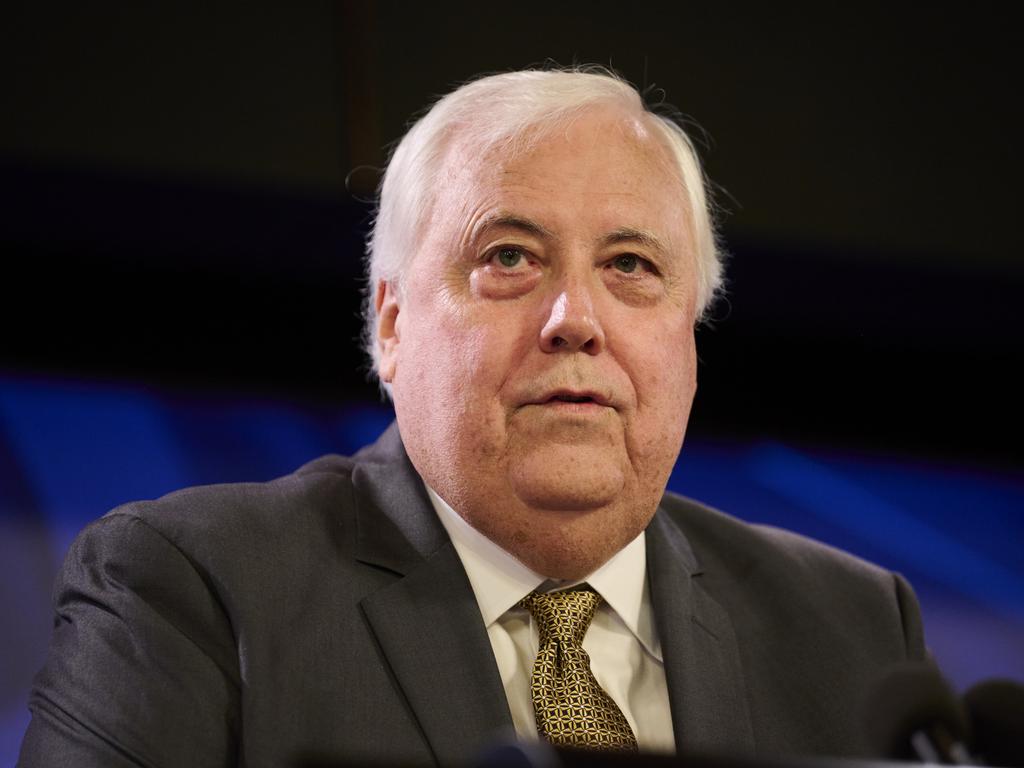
(511, 110)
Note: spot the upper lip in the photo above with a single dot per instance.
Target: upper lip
(573, 395)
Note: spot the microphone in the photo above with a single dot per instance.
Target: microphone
(996, 709)
(912, 714)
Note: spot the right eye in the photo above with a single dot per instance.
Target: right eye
(509, 256)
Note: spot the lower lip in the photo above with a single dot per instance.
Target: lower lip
(564, 406)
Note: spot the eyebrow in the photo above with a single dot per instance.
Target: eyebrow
(638, 236)
(510, 221)
(617, 236)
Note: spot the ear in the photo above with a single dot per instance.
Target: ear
(386, 302)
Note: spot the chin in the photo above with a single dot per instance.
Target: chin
(555, 487)
(565, 544)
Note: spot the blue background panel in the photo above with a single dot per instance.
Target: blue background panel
(71, 450)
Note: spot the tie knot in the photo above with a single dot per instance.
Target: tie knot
(564, 616)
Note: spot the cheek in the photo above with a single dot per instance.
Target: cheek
(664, 399)
(665, 381)
(682, 368)
(462, 357)
(667, 364)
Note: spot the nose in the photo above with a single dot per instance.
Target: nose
(572, 324)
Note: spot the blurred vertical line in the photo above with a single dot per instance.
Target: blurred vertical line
(355, 52)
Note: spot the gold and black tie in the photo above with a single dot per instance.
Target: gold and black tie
(572, 710)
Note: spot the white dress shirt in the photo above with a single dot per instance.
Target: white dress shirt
(623, 644)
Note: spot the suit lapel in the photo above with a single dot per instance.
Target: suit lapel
(427, 621)
(702, 666)
(429, 629)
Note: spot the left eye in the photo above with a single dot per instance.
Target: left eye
(509, 257)
(627, 262)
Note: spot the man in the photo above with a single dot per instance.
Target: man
(542, 254)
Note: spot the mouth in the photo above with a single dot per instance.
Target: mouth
(574, 399)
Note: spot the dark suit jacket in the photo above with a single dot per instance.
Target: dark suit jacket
(327, 613)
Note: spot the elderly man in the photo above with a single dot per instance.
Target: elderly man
(505, 560)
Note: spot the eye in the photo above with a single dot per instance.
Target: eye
(627, 262)
(509, 256)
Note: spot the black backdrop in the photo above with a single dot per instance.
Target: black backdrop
(175, 205)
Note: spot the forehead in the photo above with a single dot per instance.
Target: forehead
(601, 169)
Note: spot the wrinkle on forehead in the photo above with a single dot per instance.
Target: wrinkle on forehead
(463, 156)
(472, 179)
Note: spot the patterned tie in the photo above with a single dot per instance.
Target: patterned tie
(572, 710)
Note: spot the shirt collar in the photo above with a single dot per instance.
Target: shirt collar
(500, 581)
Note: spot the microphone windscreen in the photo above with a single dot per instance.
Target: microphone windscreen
(911, 698)
(996, 709)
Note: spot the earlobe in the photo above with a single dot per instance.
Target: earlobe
(386, 302)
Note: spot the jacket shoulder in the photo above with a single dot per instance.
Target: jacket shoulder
(283, 501)
(793, 582)
(723, 543)
(238, 536)
(814, 626)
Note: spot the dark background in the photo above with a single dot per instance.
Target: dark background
(184, 194)
(175, 206)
